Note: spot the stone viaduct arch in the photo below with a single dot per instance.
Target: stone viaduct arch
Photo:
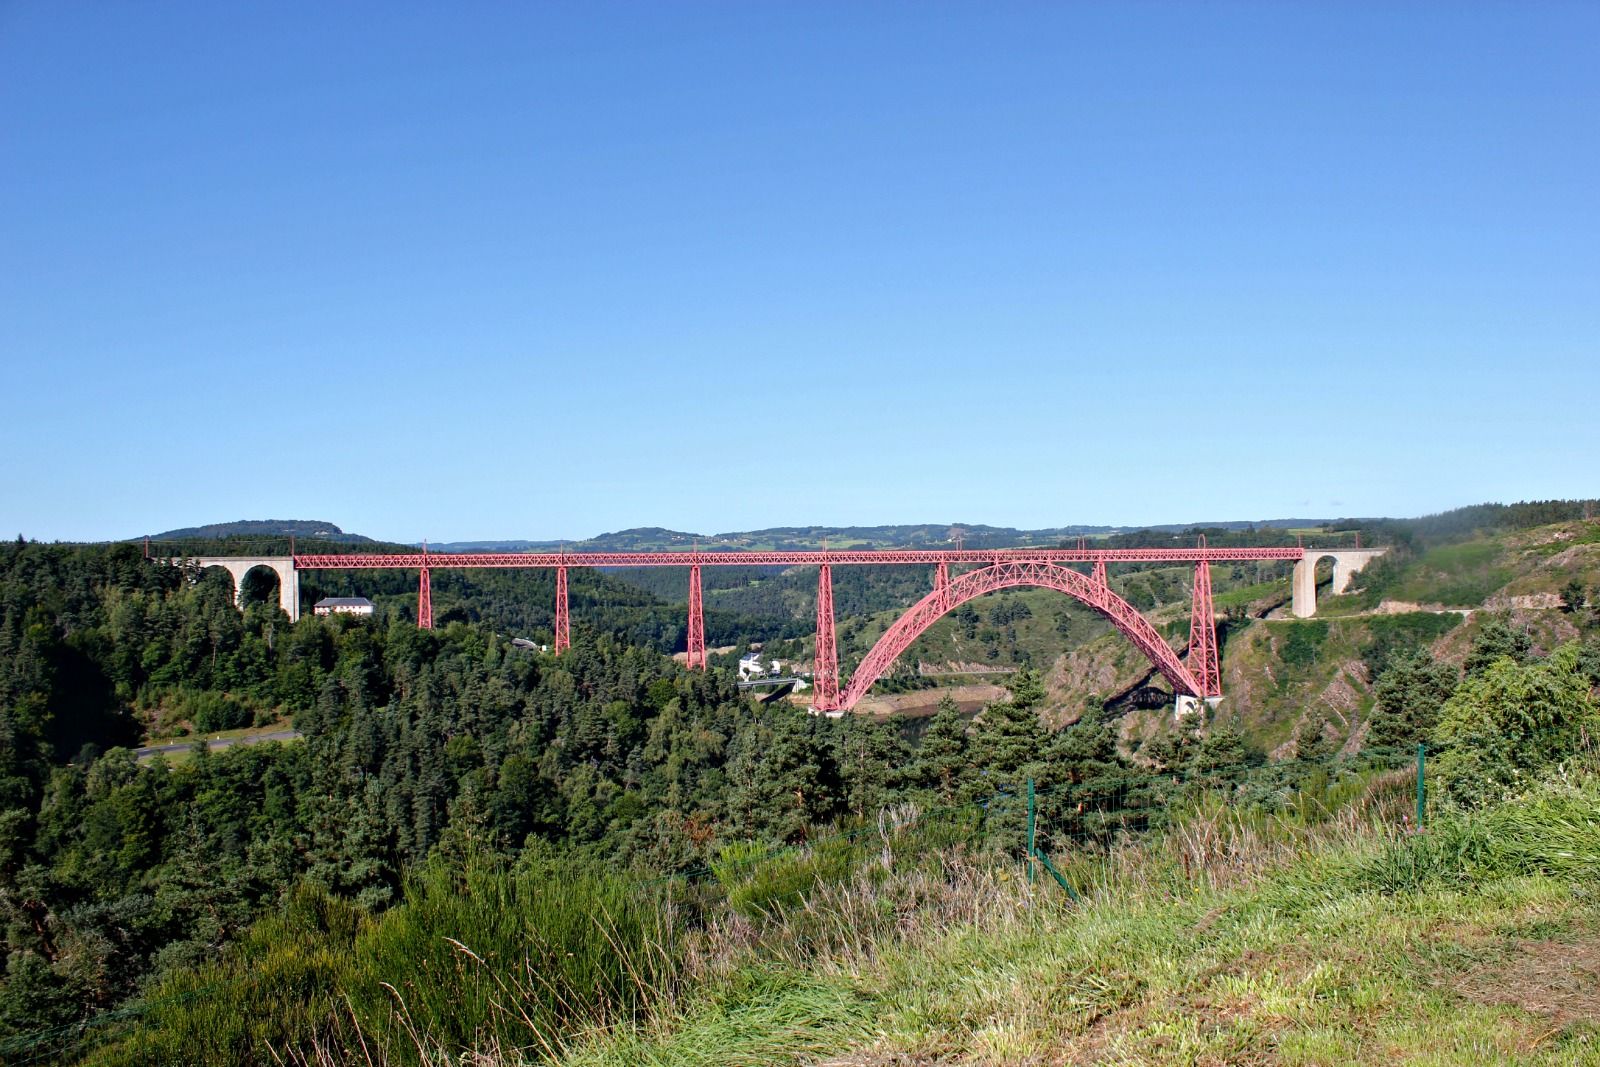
(1347, 562)
(239, 566)
(1092, 591)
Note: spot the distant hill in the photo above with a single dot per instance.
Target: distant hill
(800, 538)
(311, 529)
(778, 538)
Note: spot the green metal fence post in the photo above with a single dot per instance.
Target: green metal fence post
(1060, 878)
(1422, 782)
(1032, 825)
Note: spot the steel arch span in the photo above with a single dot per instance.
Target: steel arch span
(1092, 591)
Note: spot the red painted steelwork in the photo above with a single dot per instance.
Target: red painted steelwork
(1203, 662)
(424, 591)
(563, 626)
(424, 603)
(825, 664)
(1003, 576)
(412, 560)
(997, 570)
(697, 623)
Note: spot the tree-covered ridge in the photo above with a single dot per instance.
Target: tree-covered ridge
(308, 529)
(1454, 524)
(903, 536)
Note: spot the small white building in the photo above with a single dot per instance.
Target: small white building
(343, 605)
(753, 666)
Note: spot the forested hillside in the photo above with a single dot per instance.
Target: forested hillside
(929, 535)
(305, 529)
(142, 888)
(113, 871)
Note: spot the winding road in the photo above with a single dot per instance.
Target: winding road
(217, 743)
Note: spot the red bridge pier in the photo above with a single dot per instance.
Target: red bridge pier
(563, 624)
(697, 623)
(825, 663)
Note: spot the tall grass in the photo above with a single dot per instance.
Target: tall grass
(488, 956)
(1232, 937)
(1554, 829)
(515, 958)
(278, 988)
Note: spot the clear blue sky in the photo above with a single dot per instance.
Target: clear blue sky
(521, 270)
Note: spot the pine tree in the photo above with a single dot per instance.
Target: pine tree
(1409, 694)
(1497, 640)
(367, 870)
(1172, 752)
(1222, 749)
(1009, 736)
(788, 784)
(1311, 740)
(1008, 748)
(870, 756)
(1573, 596)
(942, 760)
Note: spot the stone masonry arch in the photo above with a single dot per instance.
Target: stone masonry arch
(1347, 562)
(239, 566)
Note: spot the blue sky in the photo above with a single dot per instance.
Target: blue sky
(512, 270)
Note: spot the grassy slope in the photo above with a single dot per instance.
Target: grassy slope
(1271, 694)
(1476, 943)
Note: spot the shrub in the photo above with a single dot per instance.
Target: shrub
(1303, 641)
(761, 886)
(476, 957)
(1553, 829)
(212, 711)
(1508, 724)
(277, 989)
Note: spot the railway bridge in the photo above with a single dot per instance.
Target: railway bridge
(1078, 572)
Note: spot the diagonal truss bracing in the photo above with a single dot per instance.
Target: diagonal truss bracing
(1095, 593)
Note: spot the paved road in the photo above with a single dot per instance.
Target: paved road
(216, 743)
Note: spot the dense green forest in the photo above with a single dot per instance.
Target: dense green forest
(444, 751)
(115, 870)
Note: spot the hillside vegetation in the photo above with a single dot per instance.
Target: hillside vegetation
(1314, 685)
(270, 529)
(481, 852)
(1223, 943)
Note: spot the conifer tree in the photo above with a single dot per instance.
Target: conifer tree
(1410, 692)
(1008, 748)
(1498, 640)
(1009, 737)
(942, 761)
(870, 756)
(1311, 739)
